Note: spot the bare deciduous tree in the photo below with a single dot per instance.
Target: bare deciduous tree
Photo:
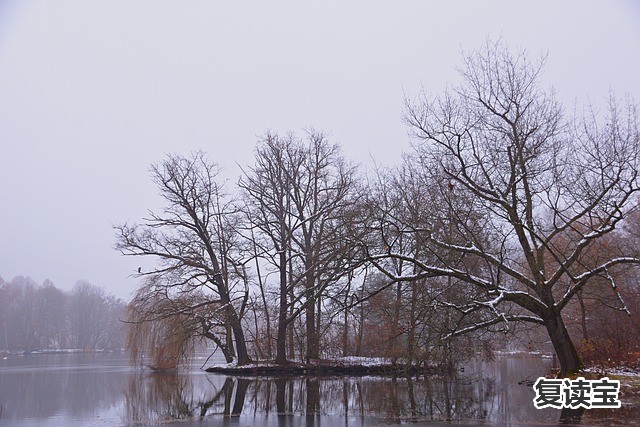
(503, 148)
(194, 239)
(298, 196)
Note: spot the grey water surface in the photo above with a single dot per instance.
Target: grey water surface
(103, 389)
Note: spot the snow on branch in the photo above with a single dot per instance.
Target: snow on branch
(582, 279)
(615, 290)
(428, 270)
(474, 250)
(502, 318)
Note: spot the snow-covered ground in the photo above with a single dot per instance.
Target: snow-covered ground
(621, 371)
(338, 361)
(362, 361)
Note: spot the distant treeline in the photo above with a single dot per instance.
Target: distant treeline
(42, 317)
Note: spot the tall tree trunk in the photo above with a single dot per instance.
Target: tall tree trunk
(565, 350)
(392, 345)
(241, 343)
(233, 321)
(583, 317)
(313, 348)
(265, 306)
(360, 332)
(292, 342)
(318, 320)
(281, 340)
(229, 336)
(345, 331)
(411, 333)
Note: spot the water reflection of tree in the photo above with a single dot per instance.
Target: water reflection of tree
(156, 398)
(153, 398)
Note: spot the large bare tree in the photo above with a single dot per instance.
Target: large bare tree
(199, 276)
(524, 193)
(267, 189)
(299, 195)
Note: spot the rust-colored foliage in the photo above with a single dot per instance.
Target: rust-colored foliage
(156, 336)
(608, 353)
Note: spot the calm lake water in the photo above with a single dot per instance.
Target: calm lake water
(103, 389)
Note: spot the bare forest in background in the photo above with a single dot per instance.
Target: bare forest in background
(41, 317)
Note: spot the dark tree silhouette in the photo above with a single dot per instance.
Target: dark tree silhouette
(525, 193)
(199, 276)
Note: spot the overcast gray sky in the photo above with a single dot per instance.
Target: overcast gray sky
(93, 92)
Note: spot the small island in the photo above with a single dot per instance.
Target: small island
(345, 366)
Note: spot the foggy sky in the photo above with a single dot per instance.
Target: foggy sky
(92, 93)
